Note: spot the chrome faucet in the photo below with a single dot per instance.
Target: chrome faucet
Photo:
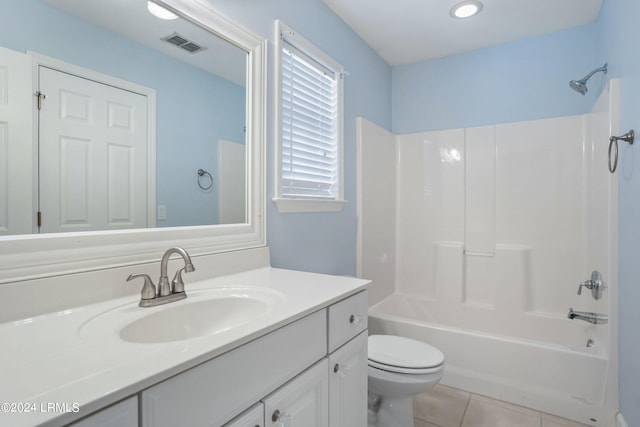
(595, 318)
(166, 292)
(164, 287)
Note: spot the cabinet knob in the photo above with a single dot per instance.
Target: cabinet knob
(342, 370)
(355, 319)
(282, 418)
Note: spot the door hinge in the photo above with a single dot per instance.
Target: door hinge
(41, 96)
(39, 219)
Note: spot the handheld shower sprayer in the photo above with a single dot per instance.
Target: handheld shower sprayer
(580, 86)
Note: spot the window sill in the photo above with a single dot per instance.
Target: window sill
(303, 205)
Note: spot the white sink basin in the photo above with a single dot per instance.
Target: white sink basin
(203, 313)
(194, 319)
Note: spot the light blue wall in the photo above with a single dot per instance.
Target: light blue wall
(618, 37)
(523, 80)
(321, 242)
(188, 122)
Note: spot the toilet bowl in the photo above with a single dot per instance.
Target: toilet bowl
(398, 369)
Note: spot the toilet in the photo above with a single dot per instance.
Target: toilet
(398, 369)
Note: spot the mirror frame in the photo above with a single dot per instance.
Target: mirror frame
(44, 255)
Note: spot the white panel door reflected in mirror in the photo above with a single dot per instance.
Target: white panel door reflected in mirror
(92, 155)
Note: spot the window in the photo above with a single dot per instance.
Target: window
(309, 126)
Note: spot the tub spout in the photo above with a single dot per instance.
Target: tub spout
(595, 318)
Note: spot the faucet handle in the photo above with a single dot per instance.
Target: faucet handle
(587, 284)
(177, 285)
(148, 289)
(596, 285)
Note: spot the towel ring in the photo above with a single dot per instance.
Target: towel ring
(627, 137)
(204, 173)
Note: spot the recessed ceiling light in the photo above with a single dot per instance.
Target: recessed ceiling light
(466, 9)
(159, 11)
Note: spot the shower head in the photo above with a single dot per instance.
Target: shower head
(580, 86)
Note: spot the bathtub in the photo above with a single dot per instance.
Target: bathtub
(568, 380)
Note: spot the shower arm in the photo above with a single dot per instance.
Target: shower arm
(597, 70)
(580, 86)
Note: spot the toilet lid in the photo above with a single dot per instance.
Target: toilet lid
(390, 351)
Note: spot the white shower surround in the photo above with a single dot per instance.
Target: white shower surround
(476, 240)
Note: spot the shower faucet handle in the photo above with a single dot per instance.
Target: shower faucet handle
(596, 285)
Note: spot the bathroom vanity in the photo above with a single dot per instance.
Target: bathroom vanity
(263, 347)
(323, 355)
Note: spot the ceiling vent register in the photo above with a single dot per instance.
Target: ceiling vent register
(183, 43)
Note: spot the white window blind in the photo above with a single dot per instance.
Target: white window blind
(309, 127)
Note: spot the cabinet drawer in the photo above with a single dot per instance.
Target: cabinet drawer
(347, 319)
(216, 391)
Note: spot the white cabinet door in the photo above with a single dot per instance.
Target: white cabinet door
(348, 384)
(303, 402)
(253, 417)
(122, 414)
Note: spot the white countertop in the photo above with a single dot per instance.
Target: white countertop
(56, 358)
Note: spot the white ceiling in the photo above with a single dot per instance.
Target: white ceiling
(408, 31)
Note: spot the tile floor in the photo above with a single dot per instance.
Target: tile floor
(449, 407)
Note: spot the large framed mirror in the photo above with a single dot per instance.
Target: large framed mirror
(123, 133)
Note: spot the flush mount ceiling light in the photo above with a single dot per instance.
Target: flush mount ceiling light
(159, 11)
(466, 9)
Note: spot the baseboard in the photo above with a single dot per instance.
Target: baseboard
(620, 422)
